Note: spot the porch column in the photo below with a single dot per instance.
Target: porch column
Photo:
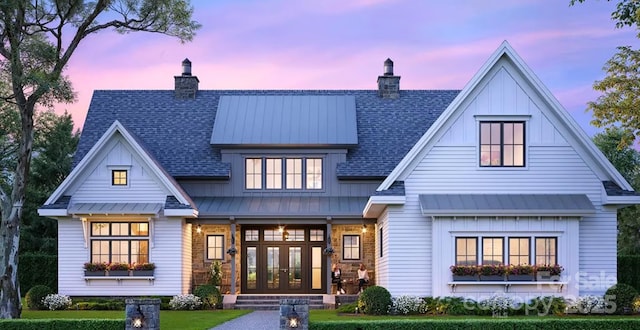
(233, 256)
(329, 256)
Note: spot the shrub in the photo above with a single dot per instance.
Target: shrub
(375, 300)
(56, 301)
(408, 305)
(498, 305)
(588, 304)
(347, 308)
(450, 306)
(210, 296)
(36, 295)
(547, 305)
(622, 295)
(185, 302)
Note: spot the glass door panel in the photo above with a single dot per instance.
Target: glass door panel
(252, 267)
(295, 267)
(273, 267)
(316, 267)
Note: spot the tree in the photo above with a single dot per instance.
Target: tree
(54, 145)
(37, 39)
(620, 100)
(627, 161)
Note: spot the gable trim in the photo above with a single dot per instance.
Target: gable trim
(156, 168)
(426, 141)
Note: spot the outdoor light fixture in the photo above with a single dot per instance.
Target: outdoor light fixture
(293, 317)
(281, 229)
(199, 229)
(285, 235)
(364, 229)
(137, 318)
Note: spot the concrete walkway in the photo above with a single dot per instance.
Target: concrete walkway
(257, 320)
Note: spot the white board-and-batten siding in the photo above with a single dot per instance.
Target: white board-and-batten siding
(165, 252)
(94, 184)
(555, 164)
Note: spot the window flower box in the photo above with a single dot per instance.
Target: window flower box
(522, 273)
(118, 269)
(142, 269)
(492, 272)
(464, 272)
(95, 269)
(548, 272)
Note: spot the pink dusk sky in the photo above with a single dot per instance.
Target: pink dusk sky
(330, 44)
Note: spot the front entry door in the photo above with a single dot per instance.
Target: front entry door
(280, 263)
(284, 271)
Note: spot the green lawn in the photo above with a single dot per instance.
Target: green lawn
(191, 320)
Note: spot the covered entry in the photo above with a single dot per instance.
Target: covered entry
(286, 260)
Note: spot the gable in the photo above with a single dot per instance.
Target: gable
(506, 87)
(147, 183)
(94, 184)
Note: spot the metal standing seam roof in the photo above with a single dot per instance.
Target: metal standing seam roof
(285, 120)
(506, 204)
(292, 206)
(115, 208)
(177, 132)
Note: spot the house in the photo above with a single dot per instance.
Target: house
(407, 182)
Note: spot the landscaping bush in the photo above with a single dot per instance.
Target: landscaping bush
(548, 305)
(584, 323)
(499, 305)
(185, 302)
(622, 295)
(56, 302)
(35, 296)
(408, 305)
(588, 304)
(347, 308)
(210, 296)
(450, 306)
(61, 324)
(375, 300)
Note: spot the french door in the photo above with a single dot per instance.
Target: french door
(289, 267)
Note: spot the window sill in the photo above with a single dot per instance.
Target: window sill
(507, 284)
(119, 278)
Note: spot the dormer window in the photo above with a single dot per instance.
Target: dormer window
(296, 173)
(119, 178)
(502, 144)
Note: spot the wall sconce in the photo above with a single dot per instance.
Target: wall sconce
(281, 229)
(137, 318)
(364, 229)
(199, 229)
(293, 317)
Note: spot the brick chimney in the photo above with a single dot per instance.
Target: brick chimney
(186, 85)
(388, 84)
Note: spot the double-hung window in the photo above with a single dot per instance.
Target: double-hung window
(492, 253)
(123, 242)
(502, 144)
(466, 251)
(351, 247)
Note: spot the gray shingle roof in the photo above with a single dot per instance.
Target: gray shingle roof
(613, 189)
(177, 132)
